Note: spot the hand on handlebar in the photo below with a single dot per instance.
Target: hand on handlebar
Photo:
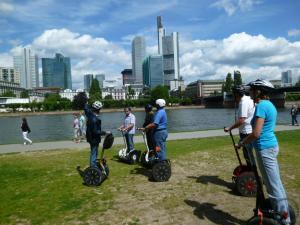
(141, 129)
(226, 129)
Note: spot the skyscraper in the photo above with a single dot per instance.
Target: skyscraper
(26, 64)
(153, 71)
(100, 78)
(168, 46)
(286, 78)
(57, 72)
(87, 80)
(138, 56)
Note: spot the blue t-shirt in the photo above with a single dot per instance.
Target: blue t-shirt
(160, 119)
(267, 139)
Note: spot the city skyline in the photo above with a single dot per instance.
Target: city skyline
(215, 37)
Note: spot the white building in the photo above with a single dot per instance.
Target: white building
(117, 93)
(137, 88)
(26, 64)
(70, 94)
(9, 74)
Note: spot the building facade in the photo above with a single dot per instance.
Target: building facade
(204, 88)
(9, 74)
(26, 65)
(70, 94)
(6, 86)
(138, 56)
(87, 81)
(286, 79)
(127, 76)
(57, 72)
(153, 71)
(101, 79)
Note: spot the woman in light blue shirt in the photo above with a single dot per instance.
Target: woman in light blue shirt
(266, 145)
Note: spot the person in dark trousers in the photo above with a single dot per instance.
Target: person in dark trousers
(149, 119)
(93, 129)
(25, 131)
(294, 113)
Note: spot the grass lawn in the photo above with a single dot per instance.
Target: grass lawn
(44, 187)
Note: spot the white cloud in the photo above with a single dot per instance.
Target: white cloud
(6, 60)
(294, 32)
(6, 7)
(231, 6)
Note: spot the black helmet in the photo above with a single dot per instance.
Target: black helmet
(239, 89)
(262, 85)
(148, 107)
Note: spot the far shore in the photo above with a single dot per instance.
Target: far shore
(136, 109)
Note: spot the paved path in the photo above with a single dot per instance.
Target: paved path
(119, 140)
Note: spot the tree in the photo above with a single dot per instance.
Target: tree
(237, 78)
(159, 92)
(24, 94)
(8, 94)
(228, 83)
(130, 92)
(108, 97)
(95, 89)
(79, 100)
(297, 84)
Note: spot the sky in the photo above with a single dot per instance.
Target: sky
(260, 38)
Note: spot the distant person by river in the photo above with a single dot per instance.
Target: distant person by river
(76, 128)
(25, 131)
(294, 114)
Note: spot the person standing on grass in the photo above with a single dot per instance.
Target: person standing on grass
(294, 113)
(93, 129)
(25, 131)
(76, 128)
(128, 127)
(149, 117)
(245, 114)
(266, 145)
(82, 125)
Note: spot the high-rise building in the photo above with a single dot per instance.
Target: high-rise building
(26, 64)
(286, 78)
(100, 78)
(57, 72)
(168, 46)
(153, 71)
(127, 76)
(9, 74)
(87, 81)
(138, 56)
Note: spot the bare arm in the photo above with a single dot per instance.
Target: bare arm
(237, 124)
(259, 123)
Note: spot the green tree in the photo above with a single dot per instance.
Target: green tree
(79, 100)
(297, 84)
(130, 92)
(159, 92)
(228, 83)
(24, 94)
(8, 94)
(108, 97)
(237, 78)
(95, 89)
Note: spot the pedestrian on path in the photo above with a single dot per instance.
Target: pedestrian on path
(128, 127)
(82, 126)
(294, 114)
(25, 131)
(76, 129)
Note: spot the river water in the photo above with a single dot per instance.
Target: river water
(59, 127)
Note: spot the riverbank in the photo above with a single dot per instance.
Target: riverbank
(45, 188)
(136, 109)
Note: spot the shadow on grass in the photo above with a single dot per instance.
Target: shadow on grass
(207, 210)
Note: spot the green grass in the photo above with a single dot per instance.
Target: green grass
(44, 187)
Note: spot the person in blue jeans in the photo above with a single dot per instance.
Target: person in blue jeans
(93, 129)
(159, 127)
(128, 127)
(266, 145)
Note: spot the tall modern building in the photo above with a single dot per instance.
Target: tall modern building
(100, 78)
(127, 76)
(153, 71)
(87, 81)
(286, 78)
(168, 46)
(26, 64)
(57, 72)
(9, 74)
(138, 56)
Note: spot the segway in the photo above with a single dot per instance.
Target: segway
(131, 156)
(161, 169)
(243, 177)
(263, 212)
(95, 175)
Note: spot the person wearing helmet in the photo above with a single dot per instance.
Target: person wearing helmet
(128, 127)
(149, 119)
(93, 129)
(266, 145)
(245, 113)
(159, 127)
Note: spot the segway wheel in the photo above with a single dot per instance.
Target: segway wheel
(265, 221)
(106, 170)
(143, 158)
(92, 176)
(161, 171)
(246, 184)
(292, 215)
(133, 158)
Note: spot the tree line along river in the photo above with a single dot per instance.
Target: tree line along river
(60, 127)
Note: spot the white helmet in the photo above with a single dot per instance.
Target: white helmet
(160, 102)
(97, 105)
(261, 85)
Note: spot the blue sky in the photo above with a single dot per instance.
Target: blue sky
(260, 38)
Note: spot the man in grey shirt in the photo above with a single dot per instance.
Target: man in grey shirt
(128, 127)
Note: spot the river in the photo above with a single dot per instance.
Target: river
(59, 127)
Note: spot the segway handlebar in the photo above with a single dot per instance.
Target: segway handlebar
(235, 147)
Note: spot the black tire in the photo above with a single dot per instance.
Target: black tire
(292, 215)
(266, 221)
(246, 184)
(106, 168)
(92, 176)
(161, 171)
(133, 158)
(143, 158)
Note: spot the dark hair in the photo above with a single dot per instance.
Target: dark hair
(24, 120)
(239, 90)
(148, 108)
(127, 108)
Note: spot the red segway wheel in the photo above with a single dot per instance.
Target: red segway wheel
(246, 184)
(265, 221)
